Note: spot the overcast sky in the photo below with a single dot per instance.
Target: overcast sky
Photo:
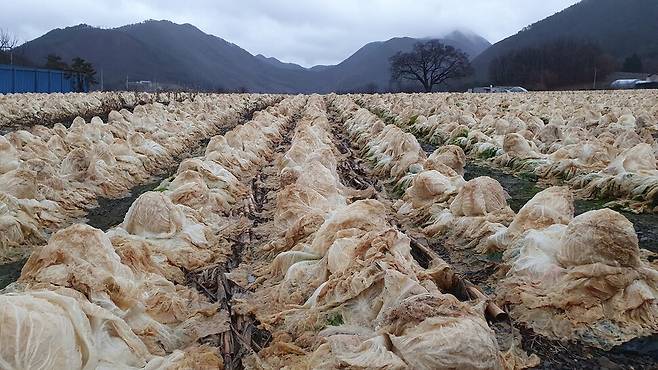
(306, 32)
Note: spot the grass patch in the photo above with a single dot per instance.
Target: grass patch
(529, 176)
(459, 142)
(335, 319)
(463, 133)
(488, 153)
(495, 256)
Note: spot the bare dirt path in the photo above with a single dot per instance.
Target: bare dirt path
(245, 336)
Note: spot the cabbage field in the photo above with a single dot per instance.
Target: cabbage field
(394, 231)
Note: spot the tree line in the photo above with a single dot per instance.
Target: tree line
(561, 63)
(647, 63)
(558, 64)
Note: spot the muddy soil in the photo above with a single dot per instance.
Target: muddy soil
(10, 272)
(640, 353)
(521, 189)
(110, 212)
(246, 336)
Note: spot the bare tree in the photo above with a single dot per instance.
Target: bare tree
(8, 42)
(431, 63)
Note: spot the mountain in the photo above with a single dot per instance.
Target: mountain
(368, 68)
(620, 27)
(469, 42)
(277, 63)
(165, 52)
(182, 55)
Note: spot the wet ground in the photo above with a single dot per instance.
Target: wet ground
(110, 212)
(640, 353)
(521, 190)
(10, 272)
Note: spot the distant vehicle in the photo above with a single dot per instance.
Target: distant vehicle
(497, 89)
(625, 84)
(646, 85)
(650, 82)
(143, 85)
(516, 89)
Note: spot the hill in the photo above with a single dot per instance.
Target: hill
(165, 52)
(182, 55)
(275, 62)
(620, 28)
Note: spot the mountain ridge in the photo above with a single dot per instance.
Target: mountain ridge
(183, 55)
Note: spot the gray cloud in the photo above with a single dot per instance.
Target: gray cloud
(305, 32)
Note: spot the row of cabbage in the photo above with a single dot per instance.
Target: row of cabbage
(342, 289)
(50, 176)
(579, 278)
(95, 300)
(601, 143)
(25, 110)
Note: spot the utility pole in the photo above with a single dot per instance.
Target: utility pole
(102, 87)
(595, 71)
(541, 70)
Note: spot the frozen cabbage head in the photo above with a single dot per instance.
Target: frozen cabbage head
(585, 281)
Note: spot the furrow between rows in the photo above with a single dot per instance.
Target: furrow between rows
(122, 298)
(52, 178)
